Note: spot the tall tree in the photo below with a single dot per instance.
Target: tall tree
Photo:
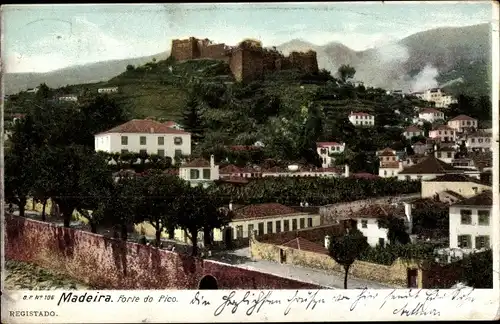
(191, 118)
(347, 248)
(346, 72)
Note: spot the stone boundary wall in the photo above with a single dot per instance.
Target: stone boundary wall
(113, 264)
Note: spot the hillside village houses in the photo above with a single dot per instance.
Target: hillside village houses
(389, 163)
(325, 149)
(443, 133)
(440, 99)
(430, 115)
(144, 135)
(412, 131)
(361, 119)
(463, 123)
(478, 141)
(68, 98)
(108, 90)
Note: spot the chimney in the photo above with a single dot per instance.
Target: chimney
(152, 130)
(409, 218)
(212, 161)
(328, 240)
(346, 171)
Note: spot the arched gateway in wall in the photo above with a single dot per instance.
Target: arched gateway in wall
(208, 282)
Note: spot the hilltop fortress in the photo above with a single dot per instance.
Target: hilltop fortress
(248, 60)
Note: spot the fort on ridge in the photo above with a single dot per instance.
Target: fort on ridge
(248, 60)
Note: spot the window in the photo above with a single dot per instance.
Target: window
(473, 140)
(250, 230)
(239, 231)
(385, 172)
(464, 241)
(465, 217)
(323, 151)
(161, 153)
(482, 241)
(302, 223)
(294, 224)
(142, 140)
(381, 242)
(177, 140)
(448, 155)
(286, 225)
(269, 227)
(483, 217)
(124, 140)
(143, 152)
(309, 222)
(278, 226)
(261, 228)
(178, 153)
(194, 174)
(206, 174)
(124, 151)
(364, 224)
(161, 140)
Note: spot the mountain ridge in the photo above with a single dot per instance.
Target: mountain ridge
(394, 65)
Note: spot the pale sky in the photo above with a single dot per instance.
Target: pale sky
(41, 38)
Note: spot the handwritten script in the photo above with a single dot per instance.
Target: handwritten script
(404, 303)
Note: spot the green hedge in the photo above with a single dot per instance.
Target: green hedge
(388, 254)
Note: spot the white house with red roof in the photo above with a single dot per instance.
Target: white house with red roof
(362, 119)
(199, 172)
(389, 164)
(430, 115)
(443, 133)
(144, 135)
(412, 131)
(463, 123)
(324, 150)
(174, 125)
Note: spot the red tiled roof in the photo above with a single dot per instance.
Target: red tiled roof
(364, 175)
(263, 211)
(327, 144)
(170, 123)
(462, 117)
(430, 165)
(387, 152)
(197, 163)
(359, 114)
(412, 128)
(455, 178)
(230, 169)
(302, 244)
(430, 111)
(144, 126)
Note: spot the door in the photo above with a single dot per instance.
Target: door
(228, 237)
(282, 256)
(412, 278)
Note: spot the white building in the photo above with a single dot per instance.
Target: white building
(68, 98)
(144, 136)
(443, 133)
(325, 149)
(412, 131)
(108, 90)
(389, 164)
(431, 115)
(479, 141)
(361, 119)
(471, 223)
(463, 123)
(32, 90)
(440, 99)
(427, 169)
(200, 172)
(445, 154)
(367, 222)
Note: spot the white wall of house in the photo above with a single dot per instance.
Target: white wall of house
(363, 120)
(445, 156)
(168, 146)
(421, 177)
(443, 135)
(461, 125)
(479, 226)
(389, 172)
(374, 234)
(409, 135)
(107, 90)
(431, 116)
(200, 175)
(324, 152)
(479, 143)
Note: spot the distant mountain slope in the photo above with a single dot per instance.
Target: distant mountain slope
(88, 73)
(424, 59)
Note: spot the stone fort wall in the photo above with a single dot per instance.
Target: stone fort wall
(107, 263)
(246, 62)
